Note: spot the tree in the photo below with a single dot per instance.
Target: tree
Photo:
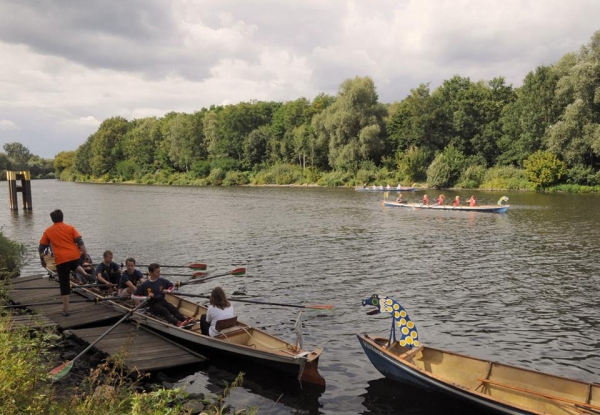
(412, 163)
(106, 145)
(255, 146)
(544, 169)
(353, 125)
(63, 161)
(18, 155)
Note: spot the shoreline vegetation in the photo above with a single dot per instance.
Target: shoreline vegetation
(28, 355)
(487, 134)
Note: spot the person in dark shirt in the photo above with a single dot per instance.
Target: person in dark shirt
(108, 272)
(85, 270)
(130, 279)
(153, 289)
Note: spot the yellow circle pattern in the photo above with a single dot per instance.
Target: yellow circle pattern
(409, 340)
(410, 324)
(396, 307)
(388, 301)
(396, 314)
(402, 343)
(404, 331)
(403, 321)
(403, 313)
(413, 334)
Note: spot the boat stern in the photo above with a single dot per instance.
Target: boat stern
(310, 371)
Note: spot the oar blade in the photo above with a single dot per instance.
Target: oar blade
(198, 266)
(199, 274)
(60, 371)
(238, 272)
(320, 306)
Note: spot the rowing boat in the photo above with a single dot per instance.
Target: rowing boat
(240, 340)
(490, 386)
(493, 386)
(420, 206)
(391, 189)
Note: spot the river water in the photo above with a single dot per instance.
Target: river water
(519, 288)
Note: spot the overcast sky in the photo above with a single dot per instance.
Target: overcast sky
(66, 65)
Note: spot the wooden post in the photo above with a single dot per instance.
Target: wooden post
(25, 188)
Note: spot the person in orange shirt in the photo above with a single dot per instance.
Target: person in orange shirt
(440, 200)
(67, 246)
(425, 200)
(456, 201)
(472, 201)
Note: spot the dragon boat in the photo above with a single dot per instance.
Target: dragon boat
(490, 386)
(498, 208)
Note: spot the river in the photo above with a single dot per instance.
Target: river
(519, 288)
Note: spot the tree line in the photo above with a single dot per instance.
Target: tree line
(17, 157)
(462, 133)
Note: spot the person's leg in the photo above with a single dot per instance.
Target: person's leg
(159, 309)
(174, 311)
(204, 325)
(64, 273)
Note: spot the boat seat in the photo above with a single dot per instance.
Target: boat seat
(227, 325)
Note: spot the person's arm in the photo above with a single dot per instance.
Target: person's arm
(209, 316)
(99, 276)
(44, 244)
(139, 292)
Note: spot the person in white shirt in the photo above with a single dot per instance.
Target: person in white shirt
(219, 309)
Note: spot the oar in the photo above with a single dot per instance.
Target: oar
(199, 266)
(315, 307)
(73, 287)
(63, 369)
(91, 300)
(238, 272)
(194, 275)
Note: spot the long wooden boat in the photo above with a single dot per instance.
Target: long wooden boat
(391, 189)
(240, 341)
(494, 387)
(420, 206)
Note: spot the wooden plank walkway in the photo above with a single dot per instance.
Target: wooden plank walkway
(145, 350)
(82, 314)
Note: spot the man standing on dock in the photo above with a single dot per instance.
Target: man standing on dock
(67, 246)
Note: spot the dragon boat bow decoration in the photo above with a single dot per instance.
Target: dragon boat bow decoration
(400, 319)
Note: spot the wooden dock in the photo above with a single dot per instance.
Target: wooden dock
(145, 350)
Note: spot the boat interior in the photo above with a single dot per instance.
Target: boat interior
(235, 331)
(536, 391)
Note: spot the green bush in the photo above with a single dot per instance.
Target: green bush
(584, 175)
(472, 177)
(335, 178)
(544, 169)
(225, 164)
(235, 178)
(126, 169)
(201, 168)
(506, 178)
(411, 164)
(11, 257)
(216, 176)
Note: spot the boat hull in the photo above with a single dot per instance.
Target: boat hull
(523, 400)
(419, 206)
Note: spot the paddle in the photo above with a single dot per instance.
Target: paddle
(199, 266)
(91, 300)
(195, 274)
(62, 370)
(238, 272)
(314, 307)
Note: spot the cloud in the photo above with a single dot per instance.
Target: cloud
(7, 125)
(67, 66)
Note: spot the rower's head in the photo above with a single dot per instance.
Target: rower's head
(108, 256)
(219, 299)
(56, 216)
(130, 265)
(154, 271)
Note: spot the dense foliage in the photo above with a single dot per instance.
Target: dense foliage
(462, 133)
(18, 157)
(11, 257)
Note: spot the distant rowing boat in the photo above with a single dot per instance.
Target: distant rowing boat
(391, 189)
(481, 208)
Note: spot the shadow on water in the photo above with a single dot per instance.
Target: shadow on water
(263, 388)
(385, 396)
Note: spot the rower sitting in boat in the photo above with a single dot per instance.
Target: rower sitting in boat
(153, 290)
(130, 279)
(472, 201)
(219, 309)
(108, 272)
(399, 199)
(85, 270)
(426, 200)
(456, 202)
(440, 200)
(388, 187)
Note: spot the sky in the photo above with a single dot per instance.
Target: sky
(66, 65)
